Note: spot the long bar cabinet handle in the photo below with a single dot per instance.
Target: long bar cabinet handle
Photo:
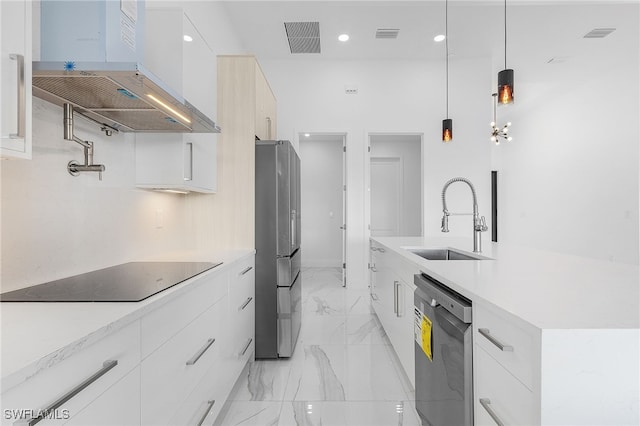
(206, 413)
(21, 102)
(244, 305)
(106, 366)
(486, 333)
(486, 404)
(246, 347)
(201, 352)
(247, 269)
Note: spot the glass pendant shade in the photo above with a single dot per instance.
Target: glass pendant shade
(447, 129)
(505, 86)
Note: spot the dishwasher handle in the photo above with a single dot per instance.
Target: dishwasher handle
(436, 293)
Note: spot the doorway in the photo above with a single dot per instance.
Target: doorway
(323, 198)
(395, 185)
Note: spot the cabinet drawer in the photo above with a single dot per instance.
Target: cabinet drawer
(159, 325)
(492, 329)
(173, 371)
(242, 284)
(509, 400)
(244, 333)
(51, 384)
(203, 405)
(119, 405)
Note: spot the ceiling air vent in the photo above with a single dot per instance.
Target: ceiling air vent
(304, 37)
(599, 32)
(387, 33)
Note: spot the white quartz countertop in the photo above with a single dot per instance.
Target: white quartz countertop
(37, 335)
(548, 290)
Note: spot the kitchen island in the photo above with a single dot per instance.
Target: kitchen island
(172, 351)
(573, 325)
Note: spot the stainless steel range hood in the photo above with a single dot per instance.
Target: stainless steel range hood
(92, 57)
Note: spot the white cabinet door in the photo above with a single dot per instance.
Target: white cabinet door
(15, 84)
(185, 162)
(177, 162)
(392, 300)
(404, 318)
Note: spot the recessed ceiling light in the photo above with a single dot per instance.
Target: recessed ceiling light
(306, 135)
(187, 37)
(439, 38)
(343, 37)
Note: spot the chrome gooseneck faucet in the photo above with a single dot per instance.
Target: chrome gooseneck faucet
(479, 223)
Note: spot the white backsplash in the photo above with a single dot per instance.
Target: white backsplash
(55, 225)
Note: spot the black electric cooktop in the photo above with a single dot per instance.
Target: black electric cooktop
(129, 282)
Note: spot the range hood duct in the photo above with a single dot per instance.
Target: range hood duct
(92, 56)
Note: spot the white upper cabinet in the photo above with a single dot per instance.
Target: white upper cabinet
(176, 52)
(183, 162)
(15, 84)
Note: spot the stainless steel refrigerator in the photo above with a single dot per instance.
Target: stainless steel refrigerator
(278, 281)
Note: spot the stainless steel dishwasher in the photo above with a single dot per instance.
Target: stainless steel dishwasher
(443, 345)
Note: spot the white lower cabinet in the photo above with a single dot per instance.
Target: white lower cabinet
(190, 371)
(241, 317)
(392, 300)
(500, 397)
(95, 379)
(171, 373)
(176, 365)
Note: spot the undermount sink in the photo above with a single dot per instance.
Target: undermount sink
(444, 254)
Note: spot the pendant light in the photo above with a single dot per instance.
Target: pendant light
(505, 77)
(447, 124)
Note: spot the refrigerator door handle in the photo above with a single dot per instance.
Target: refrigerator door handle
(293, 228)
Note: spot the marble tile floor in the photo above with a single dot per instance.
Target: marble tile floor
(343, 371)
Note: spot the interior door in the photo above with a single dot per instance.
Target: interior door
(386, 196)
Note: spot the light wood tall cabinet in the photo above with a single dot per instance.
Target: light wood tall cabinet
(246, 111)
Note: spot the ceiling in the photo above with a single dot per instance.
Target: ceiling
(536, 30)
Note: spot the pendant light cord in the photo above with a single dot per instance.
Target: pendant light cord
(446, 43)
(505, 34)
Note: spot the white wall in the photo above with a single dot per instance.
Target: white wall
(393, 97)
(407, 148)
(321, 187)
(55, 225)
(568, 182)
